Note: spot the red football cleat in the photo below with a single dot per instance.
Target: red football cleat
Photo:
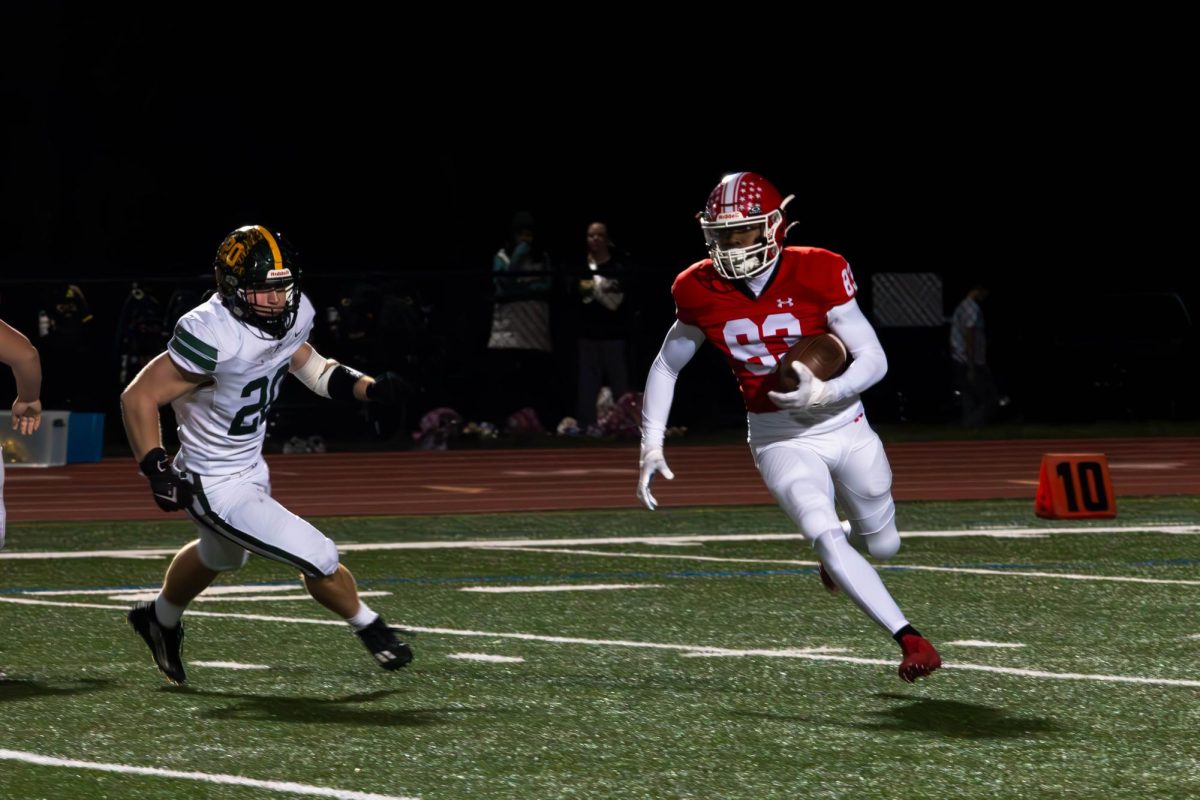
(920, 657)
(827, 579)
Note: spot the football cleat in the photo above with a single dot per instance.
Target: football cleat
(920, 657)
(165, 643)
(390, 652)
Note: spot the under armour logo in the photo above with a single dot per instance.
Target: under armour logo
(785, 302)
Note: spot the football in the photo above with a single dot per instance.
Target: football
(823, 353)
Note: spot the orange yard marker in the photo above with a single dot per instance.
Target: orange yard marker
(1075, 486)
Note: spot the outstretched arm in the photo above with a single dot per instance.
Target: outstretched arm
(327, 378)
(677, 350)
(22, 357)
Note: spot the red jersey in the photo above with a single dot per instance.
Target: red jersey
(754, 332)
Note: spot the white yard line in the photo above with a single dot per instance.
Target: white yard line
(56, 554)
(982, 643)
(211, 590)
(998, 533)
(567, 587)
(286, 787)
(814, 654)
(228, 665)
(487, 657)
(134, 597)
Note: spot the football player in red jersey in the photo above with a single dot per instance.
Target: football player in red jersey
(752, 299)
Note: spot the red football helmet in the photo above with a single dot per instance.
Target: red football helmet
(741, 205)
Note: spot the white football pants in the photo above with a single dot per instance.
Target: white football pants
(236, 513)
(807, 472)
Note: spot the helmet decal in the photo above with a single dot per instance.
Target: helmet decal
(742, 223)
(253, 259)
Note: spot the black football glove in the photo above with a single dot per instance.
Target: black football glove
(170, 491)
(388, 388)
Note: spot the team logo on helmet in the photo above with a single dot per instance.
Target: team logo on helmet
(253, 263)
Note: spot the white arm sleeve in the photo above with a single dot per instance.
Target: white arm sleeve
(870, 362)
(316, 372)
(681, 344)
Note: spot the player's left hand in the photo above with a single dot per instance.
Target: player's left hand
(811, 391)
(388, 388)
(26, 417)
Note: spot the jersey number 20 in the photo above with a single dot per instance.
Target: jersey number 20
(248, 418)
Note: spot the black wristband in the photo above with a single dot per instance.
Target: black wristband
(155, 462)
(341, 382)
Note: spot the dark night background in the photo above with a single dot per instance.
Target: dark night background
(1060, 173)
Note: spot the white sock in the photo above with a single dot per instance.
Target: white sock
(167, 612)
(364, 617)
(858, 580)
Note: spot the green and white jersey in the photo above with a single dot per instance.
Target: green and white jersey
(222, 424)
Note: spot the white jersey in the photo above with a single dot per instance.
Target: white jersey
(222, 424)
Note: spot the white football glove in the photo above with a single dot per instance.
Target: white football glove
(652, 461)
(811, 392)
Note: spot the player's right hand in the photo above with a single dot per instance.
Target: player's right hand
(810, 391)
(171, 492)
(652, 461)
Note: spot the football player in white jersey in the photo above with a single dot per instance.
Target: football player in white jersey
(752, 299)
(221, 372)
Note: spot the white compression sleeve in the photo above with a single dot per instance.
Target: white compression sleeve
(316, 372)
(870, 362)
(677, 349)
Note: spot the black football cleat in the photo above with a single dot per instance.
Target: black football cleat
(390, 652)
(164, 643)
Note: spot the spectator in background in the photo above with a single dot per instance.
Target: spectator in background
(140, 335)
(182, 300)
(601, 302)
(968, 353)
(76, 377)
(17, 353)
(381, 328)
(519, 364)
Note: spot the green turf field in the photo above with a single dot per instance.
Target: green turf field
(724, 670)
